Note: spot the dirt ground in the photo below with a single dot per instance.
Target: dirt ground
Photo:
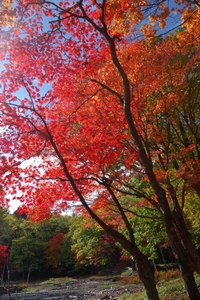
(97, 288)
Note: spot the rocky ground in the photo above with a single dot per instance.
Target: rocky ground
(97, 288)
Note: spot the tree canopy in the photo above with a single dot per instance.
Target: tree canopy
(100, 100)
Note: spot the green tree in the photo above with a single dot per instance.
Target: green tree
(91, 245)
(28, 249)
(36, 246)
(9, 227)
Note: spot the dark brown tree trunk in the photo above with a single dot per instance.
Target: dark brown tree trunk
(186, 240)
(144, 268)
(146, 274)
(185, 260)
(190, 284)
(143, 265)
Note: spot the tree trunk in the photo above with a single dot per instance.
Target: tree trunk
(186, 240)
(146, 274)
(143, 265)
(185, 260)
(190, 284)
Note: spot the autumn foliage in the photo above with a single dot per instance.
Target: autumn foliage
(100, 100)
(53, 252)
(3, 255)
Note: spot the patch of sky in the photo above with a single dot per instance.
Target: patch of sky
(23, 93)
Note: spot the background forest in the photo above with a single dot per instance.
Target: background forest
(59, 246)
(76, 246)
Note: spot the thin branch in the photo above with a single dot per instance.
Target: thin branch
(86, 100)
(58, 178)
(142, 216)
(121, 211)
(141, 195)
(29, 93)
(178, 26)
(136, 214)
(104, 86)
